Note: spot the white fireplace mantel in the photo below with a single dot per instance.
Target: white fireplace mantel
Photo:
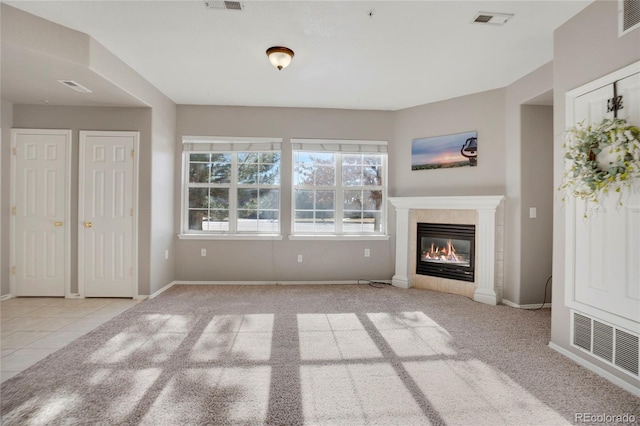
(485, 237)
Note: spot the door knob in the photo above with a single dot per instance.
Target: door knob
(58, 224)
(88, 224)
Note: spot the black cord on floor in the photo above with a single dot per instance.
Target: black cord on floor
(544, 300)
(373, 283)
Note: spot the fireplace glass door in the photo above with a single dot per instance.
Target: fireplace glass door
(446, 251)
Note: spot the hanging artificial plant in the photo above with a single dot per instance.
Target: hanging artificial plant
(602, 158)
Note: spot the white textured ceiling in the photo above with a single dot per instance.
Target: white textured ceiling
(406, 54)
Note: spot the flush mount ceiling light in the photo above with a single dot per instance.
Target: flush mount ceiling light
(280, 57)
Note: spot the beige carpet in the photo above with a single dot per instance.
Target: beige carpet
(335, 355)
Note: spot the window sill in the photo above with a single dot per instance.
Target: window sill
(253, 237)
(377, 237)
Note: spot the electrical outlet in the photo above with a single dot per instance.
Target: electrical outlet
(533, 212)
(367, 253)
(166, 255)
(203, 252)
(299, 258)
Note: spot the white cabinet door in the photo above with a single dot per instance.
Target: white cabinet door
(40, 188)
(106, 209)
(603, 250)
(629, 89)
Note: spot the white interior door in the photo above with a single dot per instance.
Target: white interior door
(604, 249)
(40, 212)
(107, 214)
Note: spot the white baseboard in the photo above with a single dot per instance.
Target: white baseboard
(163, 289)
(597, 370)
(275, 282)
(74, 296)
(530, 306)
(6, 297)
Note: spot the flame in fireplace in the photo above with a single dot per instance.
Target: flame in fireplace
(442, 254)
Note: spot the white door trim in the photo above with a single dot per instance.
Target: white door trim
(67, 209)
(81, 200)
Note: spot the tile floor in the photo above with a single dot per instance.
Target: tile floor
(32, 328)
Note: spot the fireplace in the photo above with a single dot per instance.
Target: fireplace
(446, 250)
(486, 212)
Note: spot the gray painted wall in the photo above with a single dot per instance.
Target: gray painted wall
(277, 260)
(520, 92)
(586, 47)
(484, 112)
(6, 114)
(158, 165)
(156, 233)
(98, 118)
(537, 191)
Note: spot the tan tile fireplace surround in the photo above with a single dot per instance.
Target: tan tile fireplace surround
(485, 212)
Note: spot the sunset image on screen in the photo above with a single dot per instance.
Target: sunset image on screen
(439, 152)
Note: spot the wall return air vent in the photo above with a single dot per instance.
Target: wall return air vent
(225, 5)
(492, 18)
(607, 342)
(75, 86)
(628, 16)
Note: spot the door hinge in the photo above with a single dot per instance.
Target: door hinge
(13, 210)
(13, 270)
(15, 151)
(131, 212)
(131, 271)
(132, 153)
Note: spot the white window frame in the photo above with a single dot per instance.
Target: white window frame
(233, 146)
(340, 147)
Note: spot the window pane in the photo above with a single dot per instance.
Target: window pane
(372, 200)
(247, 224)
(196, 218)
(351, 175)
(269, 174)
(219, 157)
(352, 221)
(198, 198)
(268, 199)
(220, 173)
(268, 221)
(351, 158)
(248, 199)
(248, 157)
(304, 199)
(269, 158)
(303, 222)
(219, 198)
(353, 200)
(372, 159)
(302, 175)
(325, 200)
(247, 174)
(218, 221)
(324, 175)
(199, 172)
(372, 175)
(323, 157)
(325, 221)
(203, 158)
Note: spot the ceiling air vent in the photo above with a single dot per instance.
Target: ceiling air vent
(628, 15)
(228, 5)
(492, 18)
(75, 86)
